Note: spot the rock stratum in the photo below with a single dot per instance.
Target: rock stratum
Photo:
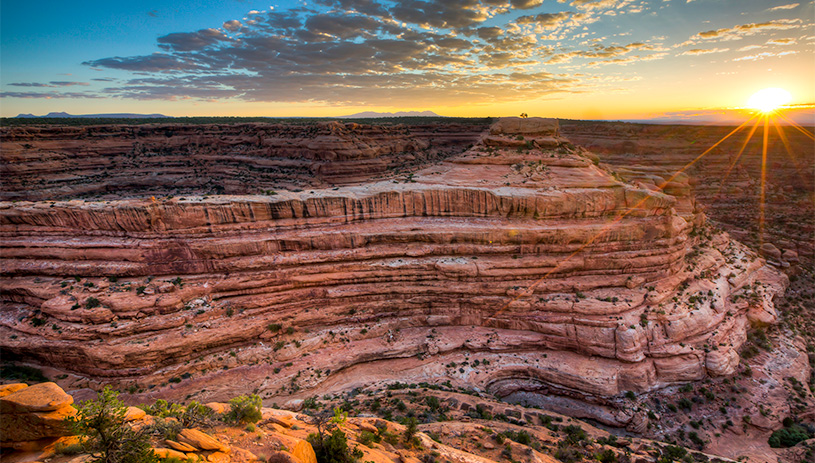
(570, 285)
(115, 161)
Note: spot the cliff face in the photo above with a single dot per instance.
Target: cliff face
(111, 162)
(572, 286)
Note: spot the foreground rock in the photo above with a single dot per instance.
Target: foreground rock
(33, 413)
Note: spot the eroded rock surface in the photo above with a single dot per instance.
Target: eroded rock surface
(571, 283)
(112, 162)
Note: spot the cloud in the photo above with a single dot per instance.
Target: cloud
(738, 32)
(703, 51)
(784, 7)
(157, 62)
(53, 83)
(192, 41)
(762, 55)
(547, 20)
(781, 42)
(233, 25)
(367, 52)
(67, 84)
(48, 95)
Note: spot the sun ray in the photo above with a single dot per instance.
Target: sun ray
(738, 156)
(794, 124)
(762, 200)
(531, 289)
(783, 136)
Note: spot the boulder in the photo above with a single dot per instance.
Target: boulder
(303, 452)
(769, 250)
(169, 453)
(135, 414)
(35, 412)
(201, 440)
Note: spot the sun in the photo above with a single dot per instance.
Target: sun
(769, 99)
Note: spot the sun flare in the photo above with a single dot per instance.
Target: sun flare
(769, 99)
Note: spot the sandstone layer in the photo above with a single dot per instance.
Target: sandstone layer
(124, 161)
(570, 284)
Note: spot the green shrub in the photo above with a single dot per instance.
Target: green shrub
(788, 437)
(244, 409)
(606, 456)
(333, 448)
(92, 303)
(367, 438)
(109, 438)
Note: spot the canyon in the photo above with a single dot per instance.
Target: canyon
(550, 264)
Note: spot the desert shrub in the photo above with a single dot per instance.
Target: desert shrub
(672, 453)
(607, 456)
(788, 437)
(333, 448)
(367, 438)
(433, 402)
(568, 454)
(109, 438)
(92, 303)
(244, 409)
(574, 434)
(410, 432)
(521, 437)
(190, 416)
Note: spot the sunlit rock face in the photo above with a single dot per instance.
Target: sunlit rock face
(519, 267)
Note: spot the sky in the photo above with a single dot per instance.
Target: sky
(581, 59)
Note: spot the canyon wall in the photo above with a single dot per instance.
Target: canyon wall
(112, 162)
(518, 266)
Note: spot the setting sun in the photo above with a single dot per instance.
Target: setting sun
(769, 99)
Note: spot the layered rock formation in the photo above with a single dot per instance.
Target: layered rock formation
(519, 267)
(727, 180)
(33, 413)
(112, 162)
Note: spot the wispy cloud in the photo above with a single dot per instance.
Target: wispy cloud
(784, 7)
(703, 51)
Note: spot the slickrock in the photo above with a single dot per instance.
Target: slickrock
(201, 440)
(572, 285)
(304, 452)
(169, 453)
(33, 413)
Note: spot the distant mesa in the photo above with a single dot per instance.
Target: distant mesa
(111, 115)
(372, 114)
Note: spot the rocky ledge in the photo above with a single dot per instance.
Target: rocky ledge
(570, 285)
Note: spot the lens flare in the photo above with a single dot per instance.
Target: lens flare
(769, 99)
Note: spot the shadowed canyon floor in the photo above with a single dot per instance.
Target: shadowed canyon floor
(510, 262)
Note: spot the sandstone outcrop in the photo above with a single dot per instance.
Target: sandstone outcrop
(566, 284)
(35, 412)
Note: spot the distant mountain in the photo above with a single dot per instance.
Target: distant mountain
(372, 114)
(111, 115)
